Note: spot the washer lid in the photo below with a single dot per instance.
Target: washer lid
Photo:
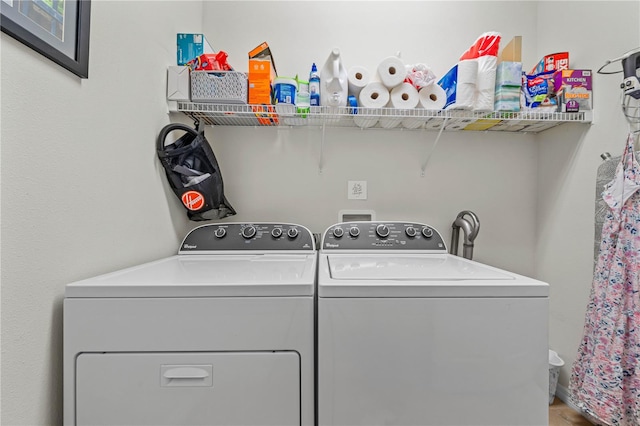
(264, 275)
(419, 275)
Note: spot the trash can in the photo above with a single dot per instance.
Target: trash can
(555, 362)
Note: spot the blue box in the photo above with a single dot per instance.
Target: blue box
(190, 46)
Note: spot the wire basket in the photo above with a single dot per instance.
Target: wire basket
(222, 87)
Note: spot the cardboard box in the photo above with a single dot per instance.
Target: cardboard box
(190, 46)
(512, 52)
(259, 81)
(262, 72)
(574, 90)
(553, 62)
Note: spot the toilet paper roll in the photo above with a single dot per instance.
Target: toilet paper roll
(432, 97)
(391, 72)
(403, 96)
(358, 77)
(373, 95)
(365, 122)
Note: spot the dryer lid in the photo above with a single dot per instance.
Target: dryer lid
(420, 275)
(260, 275)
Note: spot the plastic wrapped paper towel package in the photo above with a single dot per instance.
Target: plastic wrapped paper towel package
(471, 83)
(459, 85)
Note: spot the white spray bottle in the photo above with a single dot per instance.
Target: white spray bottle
(334, 81)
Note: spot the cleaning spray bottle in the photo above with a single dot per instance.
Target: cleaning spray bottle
(334, 86)
(314, 86)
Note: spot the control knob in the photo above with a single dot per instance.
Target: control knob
(338, 232)
(427, 232)
(292, 233)
(411, 232)
(220, 232)
(276, 232)
(354, 231)
(382, 230)
(248, 231)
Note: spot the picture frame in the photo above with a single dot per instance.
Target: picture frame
(57, 29)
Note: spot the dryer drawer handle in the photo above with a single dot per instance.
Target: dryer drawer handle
(186, 373)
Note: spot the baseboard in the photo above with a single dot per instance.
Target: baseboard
(563, 393)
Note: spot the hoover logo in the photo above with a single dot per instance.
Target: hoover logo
(193, 200)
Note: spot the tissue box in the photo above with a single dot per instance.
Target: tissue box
(553, 62)
(190, 46)
(573, 88)
(507, 99)
(509, 74)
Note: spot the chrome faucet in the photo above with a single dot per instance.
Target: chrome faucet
(470, 227)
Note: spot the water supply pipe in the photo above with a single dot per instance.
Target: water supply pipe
(470, 224)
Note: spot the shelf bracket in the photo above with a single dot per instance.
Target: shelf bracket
(426, 160)
(321, 160)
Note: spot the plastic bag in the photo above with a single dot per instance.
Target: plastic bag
(193, 173)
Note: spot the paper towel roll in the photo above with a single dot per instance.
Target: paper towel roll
(468, 71)
(390, 118)
(358, 77)
(364, 122)
(373, 95)
(413, 122)
(391, 72)
(486, 83)
(432, 97)
(403, 96)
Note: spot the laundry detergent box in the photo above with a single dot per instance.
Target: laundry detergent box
(190, 46)
(574, 90)
(262, 72)
(552, 62)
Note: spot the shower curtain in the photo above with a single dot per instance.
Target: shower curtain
(605, 377)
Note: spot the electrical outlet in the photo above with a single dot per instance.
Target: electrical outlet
(357, 190)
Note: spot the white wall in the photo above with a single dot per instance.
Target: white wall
(569, 158)
(82, 193)
(271, 173)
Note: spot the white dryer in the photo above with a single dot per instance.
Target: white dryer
(411, 335)
(220, 334)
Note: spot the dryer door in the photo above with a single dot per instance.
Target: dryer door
(225, 388)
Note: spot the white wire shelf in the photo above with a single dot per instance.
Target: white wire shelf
(379, 118)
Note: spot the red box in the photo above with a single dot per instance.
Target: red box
(553, 62)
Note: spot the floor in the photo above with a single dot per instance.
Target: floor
(562, 415)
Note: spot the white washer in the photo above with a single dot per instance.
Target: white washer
(220, 334)
(411, 335)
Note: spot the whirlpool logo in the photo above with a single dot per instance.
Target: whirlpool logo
(189, 246)
(330, 245)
